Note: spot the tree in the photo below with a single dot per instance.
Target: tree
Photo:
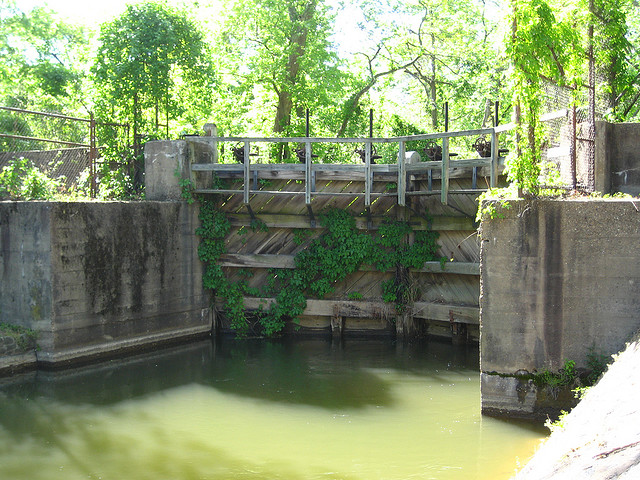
(279, 54)
(42, 60)
(153, 66)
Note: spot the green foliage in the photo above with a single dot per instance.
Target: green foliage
(564, 377)
(492, 202)
(355, 296)
(21, 180)
(389, 291)
(258, 225)
(187, 192)
(43, 58)
(596, 364)
(25, 337)
(153, 59)
(556, 425)
(301, 235)
(115, 184)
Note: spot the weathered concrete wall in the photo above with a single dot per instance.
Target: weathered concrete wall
(94, 278)
(168, 162)
(557, 278)
(618, 157)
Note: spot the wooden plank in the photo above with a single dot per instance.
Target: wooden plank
(460, 268)
(365, 309)
(402, 176)
(438, 311)
(494, 159)
(445, 171)
(247, 165)
(367, 174)
(307, 172)
(408, 138)
(275, 220)
(288, 261)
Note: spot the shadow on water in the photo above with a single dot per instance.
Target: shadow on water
(317, 372)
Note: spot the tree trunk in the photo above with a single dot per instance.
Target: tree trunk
(300, 22)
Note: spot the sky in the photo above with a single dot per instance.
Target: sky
(93, 14)
(82, 11)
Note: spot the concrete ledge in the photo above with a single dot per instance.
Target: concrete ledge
(10, 364)
(64, 358)
(518, 397)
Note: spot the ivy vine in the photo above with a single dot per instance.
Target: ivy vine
(326, 261)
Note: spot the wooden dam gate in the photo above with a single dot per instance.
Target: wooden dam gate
(288, 198)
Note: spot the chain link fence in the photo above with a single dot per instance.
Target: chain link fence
(568, 149)
(63, 147)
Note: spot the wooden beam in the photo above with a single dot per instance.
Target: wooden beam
(451, 313)
(367, 309)
(494, 159)
(408, 138)
(247, 167)
(239, 260)
(459, 268)
(402, 175)
(445, 171)
(275, 220)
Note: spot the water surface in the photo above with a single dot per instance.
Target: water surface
(255, 409)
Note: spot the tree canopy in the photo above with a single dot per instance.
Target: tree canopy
(153, 66)
(263, 63)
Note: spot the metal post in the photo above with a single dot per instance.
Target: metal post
(446, 116)
(371, 123)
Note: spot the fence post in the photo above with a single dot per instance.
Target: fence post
(402, 175)
(444, 188)
(247, 167)
(494, 159)
(307, 172)
(93, 154)
(367, 174)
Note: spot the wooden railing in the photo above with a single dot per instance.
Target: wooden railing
(405, 167)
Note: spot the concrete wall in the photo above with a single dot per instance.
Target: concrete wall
(94, 278)
(557, 277)
(168, 162)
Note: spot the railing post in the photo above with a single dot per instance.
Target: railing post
(402, 176)
(247, 168)
(494, 159)
(367, 174)
(444, 189)
(211, 130)
(307, 172)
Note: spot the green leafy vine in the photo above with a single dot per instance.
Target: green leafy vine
(326, 261)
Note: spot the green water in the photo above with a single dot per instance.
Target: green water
(308, 409)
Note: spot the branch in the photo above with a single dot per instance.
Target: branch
(355, 99)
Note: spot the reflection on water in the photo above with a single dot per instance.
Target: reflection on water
(306, 409)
